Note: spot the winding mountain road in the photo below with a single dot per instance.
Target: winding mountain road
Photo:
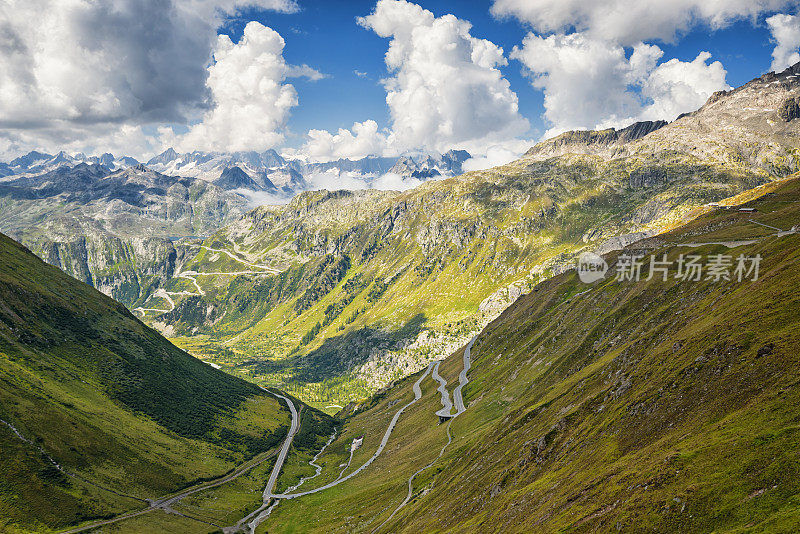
(447, 406)
(192, 276)
(411, 479)
(462, 378)
(257, 516)
(265, 268)
(433, 368)
(444, 412)
(384, 441)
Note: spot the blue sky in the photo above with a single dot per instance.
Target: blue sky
(134, 78)
(325, 35)
(347, 47)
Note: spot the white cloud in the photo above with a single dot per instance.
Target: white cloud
(394, 182)
(251, 102)
(446, 90)
(496, 155)
(628, 22)
(304, 71)
(592, 62)
(334, 179)
(362, 140)
(675, 87)
(260, 198)
(584, 80)
(119, 139)
(73, 70)
(590, 83)
(785, 30)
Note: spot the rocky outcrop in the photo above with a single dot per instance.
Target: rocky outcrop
(790, 109)
(236, 178)
(599, 138)
(124, 269)
(647, 177)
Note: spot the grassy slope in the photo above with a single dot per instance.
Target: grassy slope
(110, 400)
(657, 406)
(422, 260)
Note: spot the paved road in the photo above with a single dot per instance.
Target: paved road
(411, 478)
(459, 404)
(256, 517)
(273, 478)
(460, 408)
(266, 268)
(386, 435)
(447, 406)
(166, 503)
(192, 276)
(462, 378)
(728, 244)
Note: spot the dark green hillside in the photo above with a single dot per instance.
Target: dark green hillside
(650, 406)
(116, 405)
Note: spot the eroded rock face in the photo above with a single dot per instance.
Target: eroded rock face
(124, 269)
(601, 138)
(790, 109)
(647, 177)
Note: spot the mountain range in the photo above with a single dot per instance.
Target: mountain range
(116, 223)
(657, 404)
(373, 285)
(421, 360)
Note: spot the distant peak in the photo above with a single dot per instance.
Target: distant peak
(165, 157)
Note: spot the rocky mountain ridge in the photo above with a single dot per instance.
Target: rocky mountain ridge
(116, 230)
(375, 285)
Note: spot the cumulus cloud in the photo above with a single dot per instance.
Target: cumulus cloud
(71, 66)
(785, 30)
(251, 102)
(628, 22)
(596, 69)
(362, 140)
(445, 89)
(590, 83)
(675, 87)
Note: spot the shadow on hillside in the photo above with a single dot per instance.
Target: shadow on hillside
(337, 356)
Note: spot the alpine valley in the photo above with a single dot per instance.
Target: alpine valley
(425, 360)
(338, 293)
